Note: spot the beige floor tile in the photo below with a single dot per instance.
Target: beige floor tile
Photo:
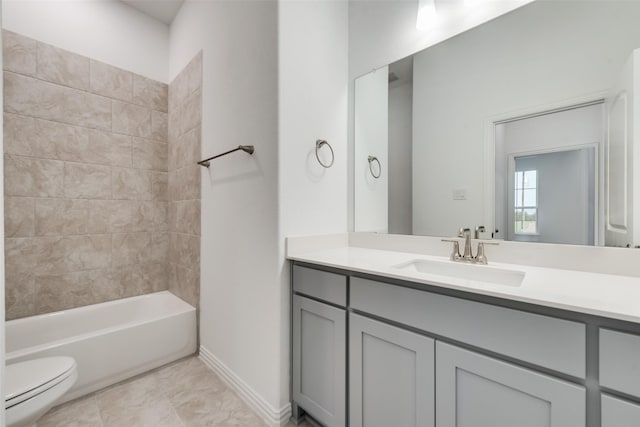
(156, 414)
(188, 380)
(184, 394)
(217, 409)
(78, 413)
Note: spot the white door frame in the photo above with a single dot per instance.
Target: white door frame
(490, 123)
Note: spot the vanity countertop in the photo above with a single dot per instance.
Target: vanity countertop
(607, 295)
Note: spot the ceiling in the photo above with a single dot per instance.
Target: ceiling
(162, 10)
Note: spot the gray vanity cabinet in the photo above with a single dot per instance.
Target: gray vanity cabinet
(473, 390)
(391, 376)
(619, 413)
(319, 360)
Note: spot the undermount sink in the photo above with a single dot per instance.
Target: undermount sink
(477, 273)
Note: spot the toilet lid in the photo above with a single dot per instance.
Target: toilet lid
(24, 380)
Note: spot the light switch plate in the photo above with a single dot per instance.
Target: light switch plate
(459, 194)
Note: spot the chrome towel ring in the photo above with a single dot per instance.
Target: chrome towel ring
(371, 160)
(319, 144)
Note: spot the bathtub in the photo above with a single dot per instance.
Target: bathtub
(111, 341)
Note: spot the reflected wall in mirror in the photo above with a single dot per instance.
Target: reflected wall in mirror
(460, 127)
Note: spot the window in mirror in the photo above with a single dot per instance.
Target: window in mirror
(526, 202)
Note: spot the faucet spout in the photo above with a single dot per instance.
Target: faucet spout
(466, 234)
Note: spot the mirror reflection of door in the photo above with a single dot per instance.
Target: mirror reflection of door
(547, 189)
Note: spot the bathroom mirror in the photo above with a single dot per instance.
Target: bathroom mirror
(523, 125)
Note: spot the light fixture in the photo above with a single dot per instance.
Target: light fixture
(426, 14)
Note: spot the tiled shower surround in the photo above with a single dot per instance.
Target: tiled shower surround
(185, 107)
(86, 180)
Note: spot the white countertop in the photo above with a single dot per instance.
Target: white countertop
(606, 295)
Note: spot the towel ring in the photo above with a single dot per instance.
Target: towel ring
(371, 160)
(319, 144)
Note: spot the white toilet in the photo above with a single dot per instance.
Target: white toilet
(34, 386)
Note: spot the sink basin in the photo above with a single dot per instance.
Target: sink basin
(477, 273)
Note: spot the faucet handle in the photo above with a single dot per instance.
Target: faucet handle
(481, 257)
(455, 253)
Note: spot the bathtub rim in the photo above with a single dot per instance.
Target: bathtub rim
(182, 308)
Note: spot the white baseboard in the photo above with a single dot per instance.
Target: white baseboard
(270, 415)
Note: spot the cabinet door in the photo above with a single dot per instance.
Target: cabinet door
(619, 413)
(477, 391)
(391, 376)
(319, 360)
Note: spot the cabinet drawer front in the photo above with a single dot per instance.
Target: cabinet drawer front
(620, 361)
(319, 360)
(544, 341)
(476, 390)
(391, 376)
(619, 413)
(325, 286)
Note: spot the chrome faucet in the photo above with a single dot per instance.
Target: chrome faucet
(467, 255)
(465, 233)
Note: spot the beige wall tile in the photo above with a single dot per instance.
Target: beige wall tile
(188, 150)
(62, 67)
(191, 112)
(19, 217)
(159, 126)
(87, 181)
(151, 216)
(160, 185)
(119, 214)
(184, 250)
(111, 81)
(150, 93)
(19, 256)
(19, 296)
(68, 154)
(49, 255)
(25, 176)
(88, 252)
(131, 248)
(173, 124)
(18, 53)
(187, 217)
(155, 273)
(131, 184)
(186, 284)
(63, 291)
(187, 183)
(178, 90)
(61, 217)
(159, 246)
(131, 120)
(32, 97)
(27, 136)
(114, 148)
(148, 154)
(193, 73)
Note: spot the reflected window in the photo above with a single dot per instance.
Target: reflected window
(526, 202)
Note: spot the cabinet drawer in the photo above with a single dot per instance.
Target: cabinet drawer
(476, 390)
(620, 361)
(618, 413)
(544, 341)
(322, 285)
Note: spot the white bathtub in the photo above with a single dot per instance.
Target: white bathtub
(111, 341)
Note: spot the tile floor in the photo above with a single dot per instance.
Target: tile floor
(184, 394)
